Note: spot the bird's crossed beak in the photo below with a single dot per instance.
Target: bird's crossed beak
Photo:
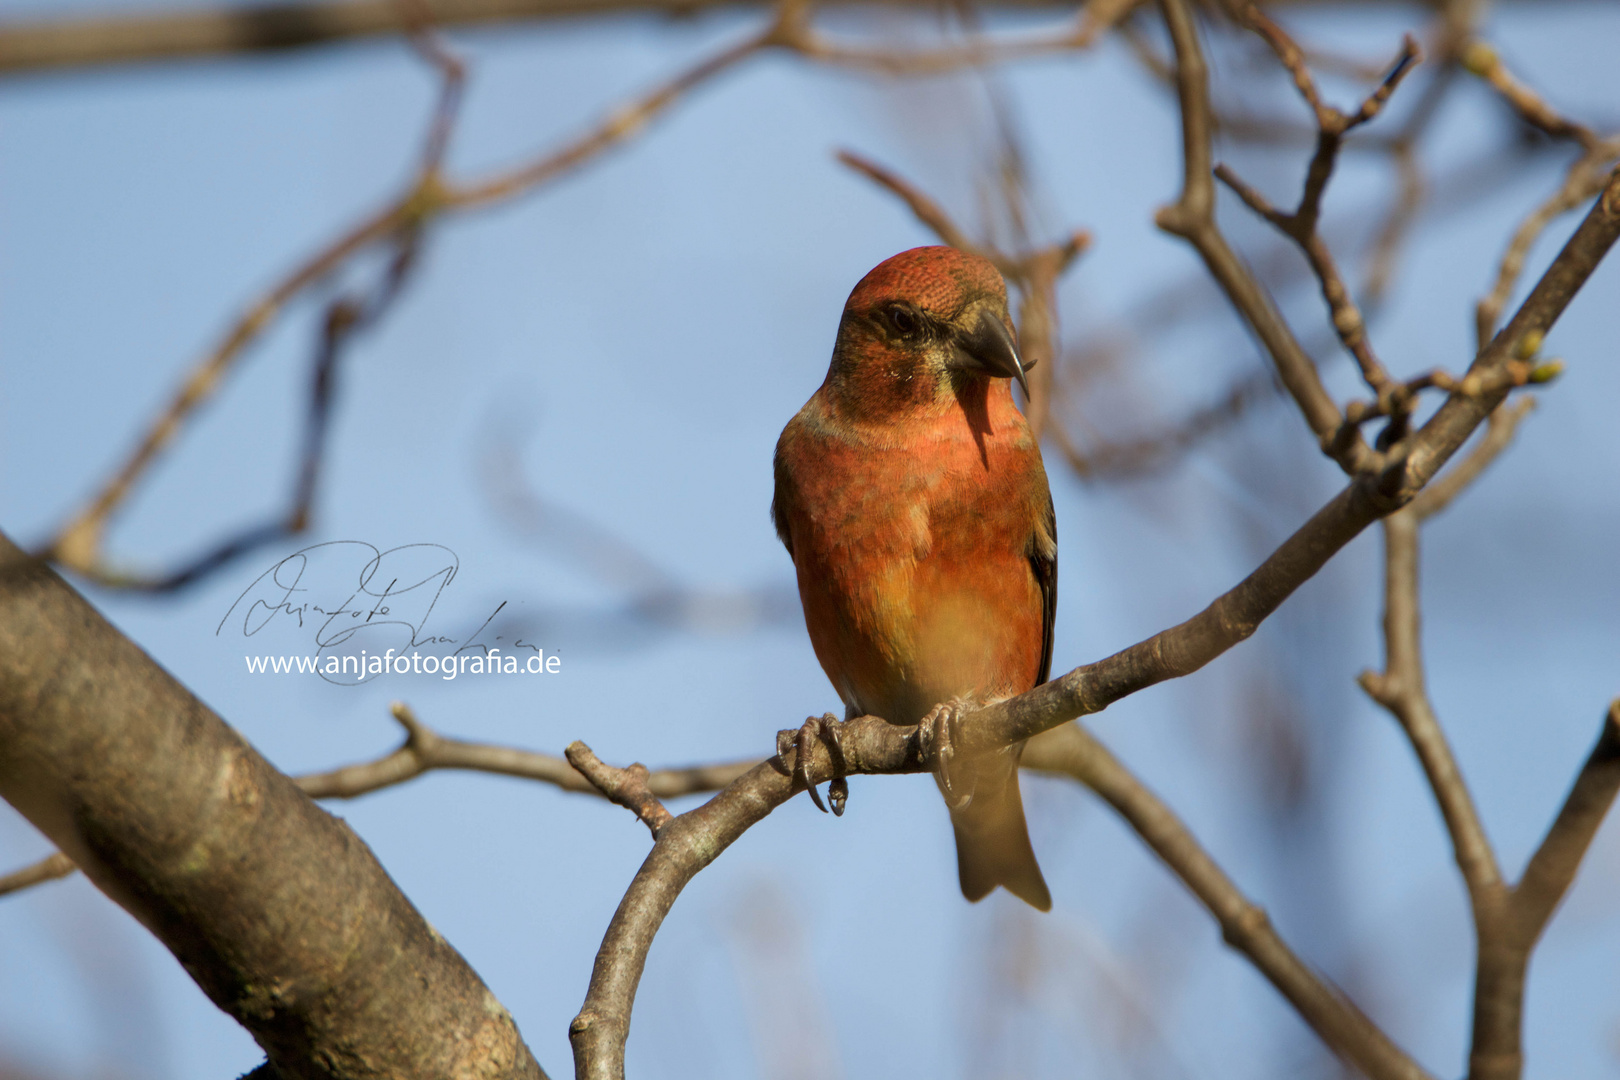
(989, 347)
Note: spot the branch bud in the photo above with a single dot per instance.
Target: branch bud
(1479, 58)
(1528, 345)
(1546, 371)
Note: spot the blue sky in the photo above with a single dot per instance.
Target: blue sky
(641, 330)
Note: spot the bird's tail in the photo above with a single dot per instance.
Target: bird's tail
(992, 840)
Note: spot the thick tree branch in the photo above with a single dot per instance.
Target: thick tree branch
(278, 910)
(1072, 751)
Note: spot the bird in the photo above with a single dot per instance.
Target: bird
(911, 496)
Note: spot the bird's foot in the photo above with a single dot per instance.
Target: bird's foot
(937, 733)
(824, 727)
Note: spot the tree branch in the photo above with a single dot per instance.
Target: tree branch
(1192, 217)
(683, 847)
(1401, 689)
(1301, 224)
(1552, 868)
(1072, 751)
(278, 27)
(425, 750)
(278, 910)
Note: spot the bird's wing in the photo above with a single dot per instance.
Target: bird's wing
(780, 499)
(1043, 561)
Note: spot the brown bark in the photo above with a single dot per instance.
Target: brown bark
(277, 909)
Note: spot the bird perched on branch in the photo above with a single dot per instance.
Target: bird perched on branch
(911, 496)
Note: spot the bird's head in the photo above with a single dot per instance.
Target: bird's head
(922, 328)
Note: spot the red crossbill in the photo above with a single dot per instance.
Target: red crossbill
(911, 496)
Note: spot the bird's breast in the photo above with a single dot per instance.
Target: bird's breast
(913, 561)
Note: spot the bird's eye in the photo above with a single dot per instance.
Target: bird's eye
(904, 320)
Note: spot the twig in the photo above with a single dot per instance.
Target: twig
(1398, 398)
(624, 787)
(683, 847)
(1519, 340)
(1072, 751)
(49, 868)
(1144, 453)
(927, 211)
(1552, 868)
(1192, 217)
(79, 544)
(1480, 58)
(1301, 224)
(1584, 179)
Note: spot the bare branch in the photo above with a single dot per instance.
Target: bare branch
(1144, 453)
(1072, 751)
(927, 211)
(683, 847)
(1520, 340)
(1552, 868)
(1479, 58)
(1192, 217)
(79, 544)
(1584, 179)
(1511, 923)
(1301, 224)
(278, 27)
(1400, 688)
(425, 750)
(50, 868)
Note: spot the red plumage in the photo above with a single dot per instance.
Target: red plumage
(911, 495)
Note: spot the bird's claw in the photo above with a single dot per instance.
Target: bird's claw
(824, 727)
(937, 733)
